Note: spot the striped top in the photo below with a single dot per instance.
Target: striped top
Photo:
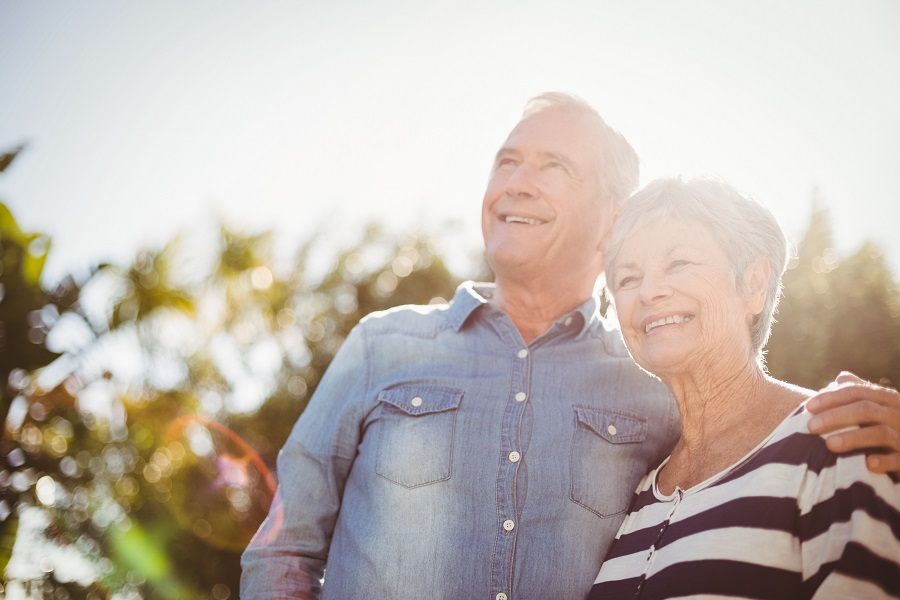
(789, 520)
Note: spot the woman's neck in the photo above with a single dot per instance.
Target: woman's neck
(725, 413)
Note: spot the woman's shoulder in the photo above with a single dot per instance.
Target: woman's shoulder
(792, 443)
(790, 449)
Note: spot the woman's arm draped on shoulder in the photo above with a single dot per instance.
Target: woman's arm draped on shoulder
(286, 558)
(849, 529)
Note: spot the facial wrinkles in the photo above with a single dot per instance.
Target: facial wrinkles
(545, 158)
(703, 287)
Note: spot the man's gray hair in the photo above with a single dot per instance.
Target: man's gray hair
(744, 228)
(618, 169)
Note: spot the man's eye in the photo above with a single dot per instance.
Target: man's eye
(677, 264)
(505, 162)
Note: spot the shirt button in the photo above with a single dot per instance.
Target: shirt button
(520, 397)
(508, 525)
(612, 429)
(568, 321)
(417, 402)
(501, 596)
(514, 456)
(523, 353)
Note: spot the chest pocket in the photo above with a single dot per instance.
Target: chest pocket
(607, 458)
(415, 434)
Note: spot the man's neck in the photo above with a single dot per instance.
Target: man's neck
(534, 309)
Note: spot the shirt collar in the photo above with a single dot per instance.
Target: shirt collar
(588, 312)
(470, 296)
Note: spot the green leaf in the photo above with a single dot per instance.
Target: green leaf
(35, 246)
(144, 553)
(8, 531)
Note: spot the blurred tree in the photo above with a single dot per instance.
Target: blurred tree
(796, 350)
(836, 314)
(864, 332)
(149, 445)
(27, 312)
(23, 325)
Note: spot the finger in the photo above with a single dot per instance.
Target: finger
(861, 412)
(848, 377)
(846, 393)
(884, 463)
(876, 436)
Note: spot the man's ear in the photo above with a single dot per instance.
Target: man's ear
(610, 215)
(756, 284)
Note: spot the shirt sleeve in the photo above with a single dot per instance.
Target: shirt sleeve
(286, 557)
(850, 531)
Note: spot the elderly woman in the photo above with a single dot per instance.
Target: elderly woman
(749, 504)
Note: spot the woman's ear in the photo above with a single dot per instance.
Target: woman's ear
(756, 284)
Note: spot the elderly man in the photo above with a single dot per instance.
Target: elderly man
(487, 448)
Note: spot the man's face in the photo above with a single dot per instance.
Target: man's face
(542, 211)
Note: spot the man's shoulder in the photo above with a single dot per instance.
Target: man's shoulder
(421, 320)
(425, 320)
(607, 333)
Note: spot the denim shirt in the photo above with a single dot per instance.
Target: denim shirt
(442, 457)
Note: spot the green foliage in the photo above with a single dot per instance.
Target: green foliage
(23, 321)
(836, 314)
(163, 486)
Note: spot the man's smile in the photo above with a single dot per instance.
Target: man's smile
(522, 219)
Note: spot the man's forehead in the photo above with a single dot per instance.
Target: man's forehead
(555, 132)
(559, 130)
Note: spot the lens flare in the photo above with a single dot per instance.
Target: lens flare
(221, 487)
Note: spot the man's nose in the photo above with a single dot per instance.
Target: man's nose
(521, 183)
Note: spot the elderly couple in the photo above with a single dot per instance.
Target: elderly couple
(490, 448)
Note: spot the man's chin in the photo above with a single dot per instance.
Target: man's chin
(515, 265)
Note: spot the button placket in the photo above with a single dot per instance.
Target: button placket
(511, 451)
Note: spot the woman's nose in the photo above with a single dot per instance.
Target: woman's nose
(654, 288)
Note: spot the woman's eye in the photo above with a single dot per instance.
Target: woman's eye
(625, 282)
(677, 264)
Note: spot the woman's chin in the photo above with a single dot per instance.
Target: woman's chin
(665, 365)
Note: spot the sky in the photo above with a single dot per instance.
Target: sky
(147, 119)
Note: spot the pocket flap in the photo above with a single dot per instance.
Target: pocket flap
(614, 426)
(418, 400)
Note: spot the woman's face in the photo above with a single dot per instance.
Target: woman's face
(676, 298)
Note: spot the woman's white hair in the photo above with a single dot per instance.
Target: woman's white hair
(617, 169)
(744, 228)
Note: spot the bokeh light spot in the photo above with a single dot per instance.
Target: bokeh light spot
(45, 490)
(261, 278)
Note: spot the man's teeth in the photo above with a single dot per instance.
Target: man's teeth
(670, 320)
(526, 220)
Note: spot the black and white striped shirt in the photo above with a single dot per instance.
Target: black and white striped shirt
(789, 520)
